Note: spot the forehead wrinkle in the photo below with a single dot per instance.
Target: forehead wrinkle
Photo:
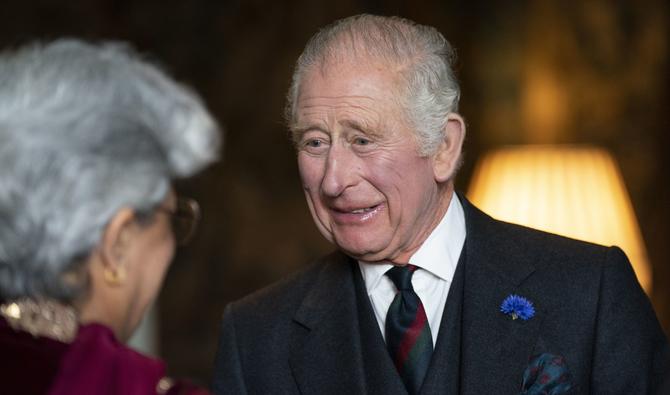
(347, 110)
(340, 100)
(352, 114)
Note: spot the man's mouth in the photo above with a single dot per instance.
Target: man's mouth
(350, 215)
(363, 210)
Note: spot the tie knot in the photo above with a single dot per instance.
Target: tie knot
(402, 276)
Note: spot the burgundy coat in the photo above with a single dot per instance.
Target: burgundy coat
(94, 363)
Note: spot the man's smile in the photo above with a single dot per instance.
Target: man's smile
(355, 214)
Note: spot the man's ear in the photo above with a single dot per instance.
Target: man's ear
(448, 155)
(114, 246)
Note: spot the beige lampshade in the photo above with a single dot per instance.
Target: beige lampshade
(574, 191)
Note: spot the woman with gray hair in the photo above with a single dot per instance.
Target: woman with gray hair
(90, 139)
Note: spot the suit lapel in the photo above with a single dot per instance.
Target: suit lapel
(326, 352)
(495, 348)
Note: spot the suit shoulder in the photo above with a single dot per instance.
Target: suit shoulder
(546, 249)
(512, 239)
(285, 295)
(545, 241)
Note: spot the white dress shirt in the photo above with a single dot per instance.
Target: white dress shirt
(436, 260)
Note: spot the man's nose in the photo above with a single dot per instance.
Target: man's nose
(340, 171)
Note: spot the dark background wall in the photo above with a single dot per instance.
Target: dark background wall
(601, 67)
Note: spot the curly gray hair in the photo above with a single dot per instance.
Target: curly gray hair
(426, 58)
(84, 131)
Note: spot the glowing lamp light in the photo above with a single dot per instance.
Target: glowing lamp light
(575, 191)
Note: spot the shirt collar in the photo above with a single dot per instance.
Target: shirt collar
(438, 254)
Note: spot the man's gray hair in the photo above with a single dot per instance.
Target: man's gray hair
(84, 131)
(423, 55)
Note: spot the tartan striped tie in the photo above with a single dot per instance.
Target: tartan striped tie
(408, 336)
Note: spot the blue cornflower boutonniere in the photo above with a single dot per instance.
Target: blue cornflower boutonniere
(517, 307)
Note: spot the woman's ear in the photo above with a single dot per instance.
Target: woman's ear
(114, 248)
(446, 159)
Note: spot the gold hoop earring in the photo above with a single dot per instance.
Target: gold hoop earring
(114, 277)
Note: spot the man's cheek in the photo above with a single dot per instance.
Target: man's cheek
(310, 175)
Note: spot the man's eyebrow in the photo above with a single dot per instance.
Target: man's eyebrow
(300, 129)
(362, 127)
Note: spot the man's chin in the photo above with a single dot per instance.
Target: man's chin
(362, 254)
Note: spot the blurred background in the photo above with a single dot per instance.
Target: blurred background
(532, 72)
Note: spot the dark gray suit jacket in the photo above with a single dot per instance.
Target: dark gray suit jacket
(314, 333)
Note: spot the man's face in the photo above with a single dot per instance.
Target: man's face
(368, 188)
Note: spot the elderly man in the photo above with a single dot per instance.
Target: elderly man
(426, 294)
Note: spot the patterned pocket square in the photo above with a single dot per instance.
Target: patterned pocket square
(546, 374)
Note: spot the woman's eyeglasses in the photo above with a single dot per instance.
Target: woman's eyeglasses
(184, 219)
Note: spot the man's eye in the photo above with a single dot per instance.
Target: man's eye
(361, 141)
(314, 145)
